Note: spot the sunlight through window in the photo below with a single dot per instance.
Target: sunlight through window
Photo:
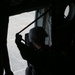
(16, 23)
(67, 10)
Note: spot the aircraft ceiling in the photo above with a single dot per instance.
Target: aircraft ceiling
(13, 7)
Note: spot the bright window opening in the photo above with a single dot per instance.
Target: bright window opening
(67, 10)
(16, 23)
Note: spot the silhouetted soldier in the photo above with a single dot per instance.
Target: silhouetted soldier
(38, 57)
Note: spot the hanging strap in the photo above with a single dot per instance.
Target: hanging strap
(34, 21)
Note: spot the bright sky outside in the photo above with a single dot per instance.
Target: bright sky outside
(16, 23)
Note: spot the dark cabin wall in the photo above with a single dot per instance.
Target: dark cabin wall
(4, 19)
(4, 57)
(62, 29)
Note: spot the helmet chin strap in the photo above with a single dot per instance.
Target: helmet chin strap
(37, 46)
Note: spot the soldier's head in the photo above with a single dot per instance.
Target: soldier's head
(37, 35)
